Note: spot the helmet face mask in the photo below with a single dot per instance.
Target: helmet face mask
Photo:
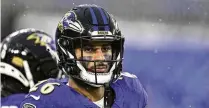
(84, 67)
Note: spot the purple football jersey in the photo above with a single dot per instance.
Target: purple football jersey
(129, 93)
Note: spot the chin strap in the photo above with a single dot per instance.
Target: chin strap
(109, 96)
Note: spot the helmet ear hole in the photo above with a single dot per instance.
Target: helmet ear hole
(64, 42)
(69, 69)
(38, 69)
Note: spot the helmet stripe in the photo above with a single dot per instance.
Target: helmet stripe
(95, 28)
(104, 17)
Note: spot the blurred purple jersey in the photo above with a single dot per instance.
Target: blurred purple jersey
(128, 91)
(12, 101)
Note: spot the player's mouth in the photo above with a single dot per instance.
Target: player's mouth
(99, 69)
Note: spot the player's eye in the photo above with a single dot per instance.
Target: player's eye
(106, 48)
(88, 49)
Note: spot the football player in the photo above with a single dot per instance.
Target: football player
(90, 47)
(25, 60)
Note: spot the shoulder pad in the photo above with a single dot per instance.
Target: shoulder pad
(129, 86)
(127, 74)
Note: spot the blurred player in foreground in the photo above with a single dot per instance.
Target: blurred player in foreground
(24, 61)
(90, 49)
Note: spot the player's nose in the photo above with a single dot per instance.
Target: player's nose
(99, 55)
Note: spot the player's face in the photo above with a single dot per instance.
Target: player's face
(95, 51)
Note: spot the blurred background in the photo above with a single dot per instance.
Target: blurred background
(167, 42)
